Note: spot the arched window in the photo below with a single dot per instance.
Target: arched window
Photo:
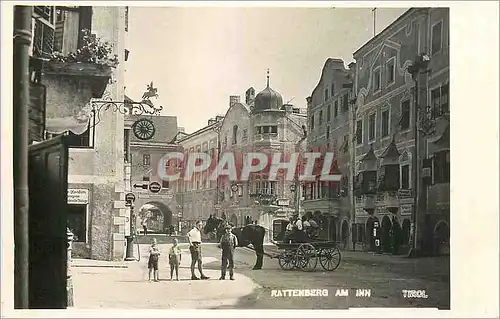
(235, 133)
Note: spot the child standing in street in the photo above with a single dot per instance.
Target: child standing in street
(174, 259)
(154, 255)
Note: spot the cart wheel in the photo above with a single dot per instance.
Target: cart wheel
(329, 258)
(286, 260)
(306, 257)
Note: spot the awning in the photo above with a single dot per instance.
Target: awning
(76, 124)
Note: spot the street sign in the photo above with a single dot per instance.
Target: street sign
(154, 187)
(143, 186)
(130, 197)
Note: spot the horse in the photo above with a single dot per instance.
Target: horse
(249, 234)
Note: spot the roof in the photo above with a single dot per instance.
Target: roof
(384, 31)
(391, 151)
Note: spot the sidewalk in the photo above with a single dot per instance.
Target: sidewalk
(77, 262)
(108, 287)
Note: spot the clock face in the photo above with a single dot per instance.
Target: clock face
(144, 129)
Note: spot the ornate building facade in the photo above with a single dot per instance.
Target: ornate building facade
(328, 110)
(261, 124)
(384, 139)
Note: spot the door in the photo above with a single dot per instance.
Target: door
(48, 191)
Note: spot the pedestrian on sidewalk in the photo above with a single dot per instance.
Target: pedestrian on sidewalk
(154, 255)
(194, 239)
(228, 243)
(174, 259)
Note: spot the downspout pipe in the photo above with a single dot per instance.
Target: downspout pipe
(22, 41)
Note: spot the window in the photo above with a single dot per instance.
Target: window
(345, 103)
(405, 115)
(332, 90)
(145, 178)
(405, 176)
(126, 144)
(359, 132)
(328, 132)
(268, 187)
(336, 109)
(326, 95)
(84, 140)
(328, 113)
(391, 177)
(442, 167)
(335, 145)
(320, 120)
(258, 130)
(146, 159)
(274, 129)
(312, 122)
(77, 221)
(437, 41)
(376, 79)
(371, 126)
(235, 133)
(440, 101)
(385, 123)
(245, 134)
(391, 70)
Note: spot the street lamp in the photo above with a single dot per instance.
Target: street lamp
(418, 67)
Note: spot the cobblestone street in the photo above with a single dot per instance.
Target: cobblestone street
(386, 276)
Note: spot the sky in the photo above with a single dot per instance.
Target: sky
(198, 56)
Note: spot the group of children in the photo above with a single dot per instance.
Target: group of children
(228, 243)
(174, 259)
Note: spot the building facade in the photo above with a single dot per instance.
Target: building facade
(384, 139)
(198, 196)
(96, 185)
(328, 111)
(155, 205)
(261, 124)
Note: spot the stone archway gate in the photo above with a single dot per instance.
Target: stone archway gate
(163, 198)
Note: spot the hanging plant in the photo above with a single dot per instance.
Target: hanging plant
(93, 50)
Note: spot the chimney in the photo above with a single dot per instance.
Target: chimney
(211, 121)
(233, 99)
(219, 118)
(249, 95)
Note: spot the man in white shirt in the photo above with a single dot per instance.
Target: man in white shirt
(194, 239)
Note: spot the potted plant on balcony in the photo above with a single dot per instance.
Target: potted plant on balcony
(73, 79)
(94, 58)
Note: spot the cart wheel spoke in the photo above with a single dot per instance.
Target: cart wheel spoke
(306, 257)
(330, 258)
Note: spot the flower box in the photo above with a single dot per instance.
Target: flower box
(77, 69)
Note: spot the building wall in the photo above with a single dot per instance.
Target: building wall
(400, 43)
(328, 126)
(198, 195)
(237, 206)
(145, 162)
(101, 169)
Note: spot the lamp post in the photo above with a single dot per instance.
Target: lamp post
(418, 67)
(130, 238)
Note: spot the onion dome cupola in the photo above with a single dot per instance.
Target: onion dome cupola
(268, 99)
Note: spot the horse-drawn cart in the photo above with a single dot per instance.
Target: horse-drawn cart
(305, 256)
